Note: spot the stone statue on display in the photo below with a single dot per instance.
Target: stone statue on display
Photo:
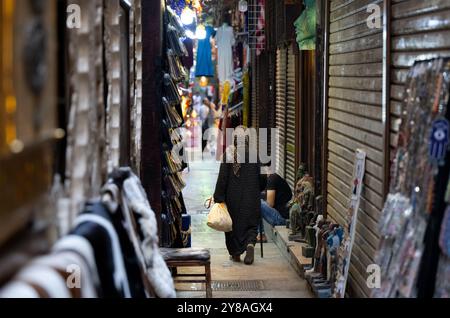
(293, 205)
(301, 211)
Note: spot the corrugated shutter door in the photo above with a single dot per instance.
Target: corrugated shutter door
(290, 119)
(280, 111)
(354, 121)
(271, 98)
(416, 26)
(254, 93)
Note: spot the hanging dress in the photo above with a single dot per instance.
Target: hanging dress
(225, 41)
(204, 66)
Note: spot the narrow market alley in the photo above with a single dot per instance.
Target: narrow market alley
(225, 149)
(271, 276)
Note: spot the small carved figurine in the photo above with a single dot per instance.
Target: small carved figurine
(301, 211)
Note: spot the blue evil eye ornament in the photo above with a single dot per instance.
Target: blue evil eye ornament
(439, 140)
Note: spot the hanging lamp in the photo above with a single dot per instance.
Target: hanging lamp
(187, 16)
(200, 32)
(243, 6)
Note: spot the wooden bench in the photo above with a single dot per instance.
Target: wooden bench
(190, 257)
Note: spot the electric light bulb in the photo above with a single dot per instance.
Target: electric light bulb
(200, 32)
(203, 81)
(187, 16)
(243, 6)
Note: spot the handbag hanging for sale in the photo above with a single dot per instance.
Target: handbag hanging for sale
(219, 219)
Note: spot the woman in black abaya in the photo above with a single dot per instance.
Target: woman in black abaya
(238, 186)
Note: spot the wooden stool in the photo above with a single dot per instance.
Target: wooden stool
(190, 257)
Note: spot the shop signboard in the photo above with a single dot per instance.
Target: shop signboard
(345, 250)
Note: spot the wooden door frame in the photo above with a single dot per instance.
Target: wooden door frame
(305, 110)
(386, 95)
(152, 43)
(126, 101)
(298, 104)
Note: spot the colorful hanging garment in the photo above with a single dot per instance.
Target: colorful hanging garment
(225, 41)
(305, 27)
(246, 107)
(204, 65)
(260, 35)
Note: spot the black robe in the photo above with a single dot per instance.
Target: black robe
(242, 197)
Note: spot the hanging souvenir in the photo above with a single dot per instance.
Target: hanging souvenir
(305, 26)
(439, 139)
(345, 250)
(422, 148)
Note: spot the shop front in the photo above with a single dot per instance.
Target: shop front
(369, 48)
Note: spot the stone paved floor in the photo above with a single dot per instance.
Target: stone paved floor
(279, 278)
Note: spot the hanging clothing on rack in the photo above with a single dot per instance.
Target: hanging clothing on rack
(204, 66)
(188, 60)
(239, 55)
(81, 247)
(115, 246)
(260, 26)
(51, 276)
(96, 226)
(140, 217)
(45, 281)
(225, 41)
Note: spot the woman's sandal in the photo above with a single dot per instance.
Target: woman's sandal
(250, 255)
(263, 237)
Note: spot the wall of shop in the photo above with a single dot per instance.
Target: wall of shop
(79, 82)
(354, 120)
(86, 153)
(284, 84)
(419, 30)
(357, 103)
(28, 85)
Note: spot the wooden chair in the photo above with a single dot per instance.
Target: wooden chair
(190, 257)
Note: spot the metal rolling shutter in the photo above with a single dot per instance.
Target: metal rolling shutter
(271, 102)
(355, 121)
(290, 118)
(255, 95)
(280, 110)
(419, 30)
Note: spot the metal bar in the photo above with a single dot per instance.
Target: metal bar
(261, 224)
(326, 39)
(187, 263)
(386, 118)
